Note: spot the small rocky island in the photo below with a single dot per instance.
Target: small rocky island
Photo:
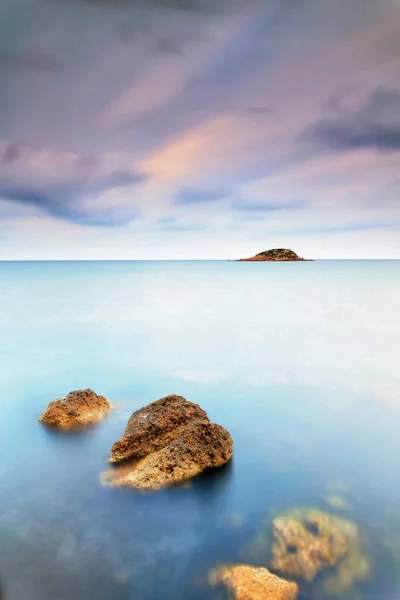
(166, 442)
(276, 254)
(77, 409)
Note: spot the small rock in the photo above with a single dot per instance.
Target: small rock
(254, 583)
(77, 409)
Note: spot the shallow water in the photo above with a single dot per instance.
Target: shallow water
(299, 361)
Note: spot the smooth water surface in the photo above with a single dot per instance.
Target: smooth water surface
(299, 361)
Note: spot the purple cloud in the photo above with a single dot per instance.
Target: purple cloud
(375, 124)
(261, 207)
(70, 188)
(192, 195)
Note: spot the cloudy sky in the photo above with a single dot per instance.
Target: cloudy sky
(199, 128)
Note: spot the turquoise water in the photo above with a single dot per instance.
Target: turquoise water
(299, 361)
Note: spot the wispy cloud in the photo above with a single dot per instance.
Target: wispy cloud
(347, 227)
(66, 186)
(171, 224)
(177, 5)
(11, 152)
(69, 202)
(269, 206)
(113, 4)
(373, 124)
(260, 111)
(29, 60)
(192, 195)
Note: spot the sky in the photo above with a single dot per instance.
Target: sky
(199, 129)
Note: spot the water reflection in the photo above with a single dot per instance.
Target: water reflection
(213, 483)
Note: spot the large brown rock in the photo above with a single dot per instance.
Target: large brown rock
(170, 440)
(254, 583)
(77, 409)
(155, 426)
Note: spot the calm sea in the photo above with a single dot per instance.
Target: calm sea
(299, 361)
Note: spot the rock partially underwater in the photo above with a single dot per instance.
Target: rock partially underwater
(254, 583)
(77, 409)
(166, 442)
(307, 542)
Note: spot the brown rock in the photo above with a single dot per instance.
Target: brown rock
(77, 409)
(276, 254)
(172, 440)
(254, 583)
(155, 426)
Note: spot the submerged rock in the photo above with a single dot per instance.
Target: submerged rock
(336, 502)
(354, 568)
(122, 577)
(232, 520)
(77, 409)
(171, 441)
(254, 583)
(308, 541)
(392, 544)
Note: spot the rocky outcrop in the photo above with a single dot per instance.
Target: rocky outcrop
(277, 254)
(255, 583)
(155, 426)
(309, 541)
(166, 442)
(77, 409)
